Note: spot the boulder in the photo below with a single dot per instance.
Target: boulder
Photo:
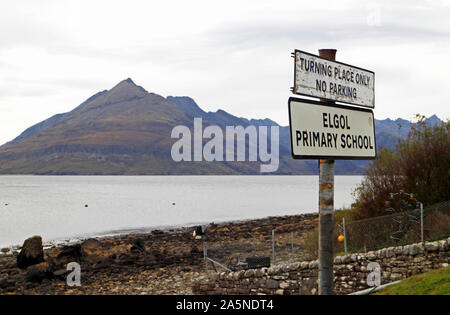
(32, 252)
(71, 251)
(37, 273)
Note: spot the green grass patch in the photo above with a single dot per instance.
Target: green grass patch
(435, 282)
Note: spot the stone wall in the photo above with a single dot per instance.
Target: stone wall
(350, 272)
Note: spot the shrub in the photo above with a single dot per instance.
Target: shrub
(418, 164)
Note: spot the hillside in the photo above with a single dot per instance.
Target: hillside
(127, 130)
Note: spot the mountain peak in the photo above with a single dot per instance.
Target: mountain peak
(125, 90)
(129, 83)
(434, 117)
(187, 105)
(433, 120)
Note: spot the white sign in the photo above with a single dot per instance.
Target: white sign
(319, 77)
(328, 131)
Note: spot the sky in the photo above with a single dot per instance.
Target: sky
(230, 55)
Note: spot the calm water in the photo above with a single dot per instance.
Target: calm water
(54, 206)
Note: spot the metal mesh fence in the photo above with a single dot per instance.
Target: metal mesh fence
(234, 249)
(274, 247)
(395, 229)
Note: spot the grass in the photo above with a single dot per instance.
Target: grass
(435, 282)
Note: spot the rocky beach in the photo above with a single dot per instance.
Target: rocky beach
(159, 262)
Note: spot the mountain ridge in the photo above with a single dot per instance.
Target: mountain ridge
(126, 130)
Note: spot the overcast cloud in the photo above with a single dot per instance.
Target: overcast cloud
(233, 55)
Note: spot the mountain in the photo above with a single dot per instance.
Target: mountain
(109, 133)
(36, 128)
(45, 124)
(127, 130)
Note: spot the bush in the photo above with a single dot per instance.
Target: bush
(419, 164)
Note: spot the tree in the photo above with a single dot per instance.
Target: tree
(418, 164)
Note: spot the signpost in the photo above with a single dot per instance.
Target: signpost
(331, 80)
(327, 131)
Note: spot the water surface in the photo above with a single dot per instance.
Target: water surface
(54, 206)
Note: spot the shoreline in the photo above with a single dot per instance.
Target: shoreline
(76, 239)
(158, 262)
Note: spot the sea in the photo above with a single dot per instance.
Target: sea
(67, 208)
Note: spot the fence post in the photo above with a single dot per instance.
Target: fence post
(421, 222)
(345, 236)
(273, 247)
(205, 253)
(292, 242)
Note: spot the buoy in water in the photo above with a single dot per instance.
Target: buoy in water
(86, 206)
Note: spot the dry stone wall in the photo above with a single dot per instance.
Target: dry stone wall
(350, 272)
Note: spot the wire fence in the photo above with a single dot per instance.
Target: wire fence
(395, 229)
(258, 250)
(278, 245)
